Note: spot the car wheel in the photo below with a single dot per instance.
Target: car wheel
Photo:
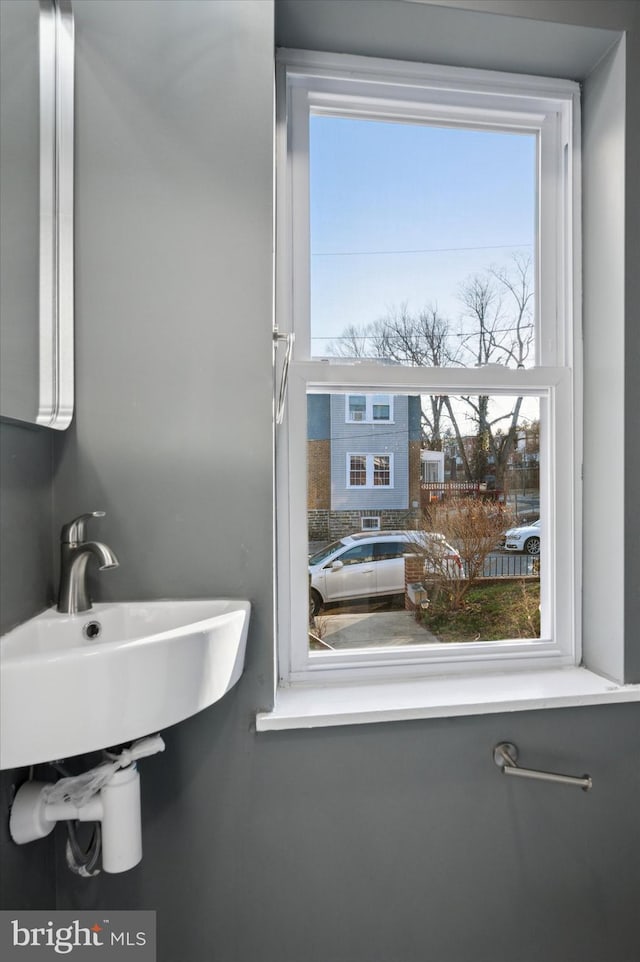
(532, 546)
(315, 603)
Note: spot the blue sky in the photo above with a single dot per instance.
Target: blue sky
(405, 212)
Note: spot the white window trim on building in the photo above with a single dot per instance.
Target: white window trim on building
(370, 523)
(370, 484)
(368, 418)
(431, 462)
(483, 677)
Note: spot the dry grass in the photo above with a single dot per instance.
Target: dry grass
(490, 612)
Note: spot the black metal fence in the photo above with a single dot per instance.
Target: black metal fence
(511, 566)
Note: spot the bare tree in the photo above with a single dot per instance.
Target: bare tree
(498, 329)
(473, 527)
(353, 342)
(515, 285)
(417, 340)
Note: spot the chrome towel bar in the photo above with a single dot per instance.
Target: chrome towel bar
(505, 755)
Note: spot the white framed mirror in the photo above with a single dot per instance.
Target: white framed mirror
(36, 199)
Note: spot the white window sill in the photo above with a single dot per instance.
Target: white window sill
(323, 705)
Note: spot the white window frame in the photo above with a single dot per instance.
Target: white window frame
(370, 522)
(364, 87)
(368, 417)
(370, 457)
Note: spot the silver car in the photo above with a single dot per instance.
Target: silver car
(524, 538)
(368, 565)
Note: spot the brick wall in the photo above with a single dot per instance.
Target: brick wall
(318, 475)
(318, 524)
(414, 472)
(413, 574)
(330, 525)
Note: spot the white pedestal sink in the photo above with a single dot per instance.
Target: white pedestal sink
(71, 684)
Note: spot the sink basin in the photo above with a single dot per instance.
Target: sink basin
(147, 666)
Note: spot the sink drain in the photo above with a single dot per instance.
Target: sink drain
(93, 629)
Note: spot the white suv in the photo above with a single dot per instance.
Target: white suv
(370, 565)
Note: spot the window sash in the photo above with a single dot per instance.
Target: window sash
(382, 471)
(356, 412)
(356, 471)
(309, 81)
(558, 644)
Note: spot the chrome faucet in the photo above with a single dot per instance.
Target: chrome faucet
(74, 555)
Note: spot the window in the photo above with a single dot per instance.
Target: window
(389, 550)
(356, 407)
(369, 470)
(361, 554)
(426, 224)
(382, 471)
(432, 465)
(357, 468)
(370, 524)
(368, 408)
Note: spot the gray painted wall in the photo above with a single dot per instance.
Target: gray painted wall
(27, 874)
(26, 550)
(411, 31)
(385, 842)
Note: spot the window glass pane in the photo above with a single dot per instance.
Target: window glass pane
(370, 524)
(357, 470)
(381, 471)
(381, 408)
(385, 550)
(323, 553)
(361, 554)
(357, 407)
(454, 483)
(422, 243)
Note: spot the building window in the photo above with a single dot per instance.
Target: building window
(426, 224)
(369, 470)
(369, 408)
(381, 409)
(382, 471)
(370, 524)
(357, 470)
(356, 407)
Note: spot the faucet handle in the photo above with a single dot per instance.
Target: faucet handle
(74, 531)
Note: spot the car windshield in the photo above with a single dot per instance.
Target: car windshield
(323, 553)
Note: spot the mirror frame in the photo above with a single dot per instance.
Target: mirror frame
(52, 399)
(56, 260)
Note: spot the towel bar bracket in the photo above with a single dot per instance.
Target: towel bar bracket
(505, 755)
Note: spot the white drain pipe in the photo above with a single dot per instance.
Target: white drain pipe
(38, 806)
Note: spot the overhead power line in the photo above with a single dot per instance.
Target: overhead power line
(419, 250)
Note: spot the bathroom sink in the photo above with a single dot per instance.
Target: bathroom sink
(71, 684)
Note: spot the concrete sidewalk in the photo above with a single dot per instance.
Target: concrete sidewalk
(373, 629)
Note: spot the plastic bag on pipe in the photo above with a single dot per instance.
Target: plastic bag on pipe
(78, 789)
